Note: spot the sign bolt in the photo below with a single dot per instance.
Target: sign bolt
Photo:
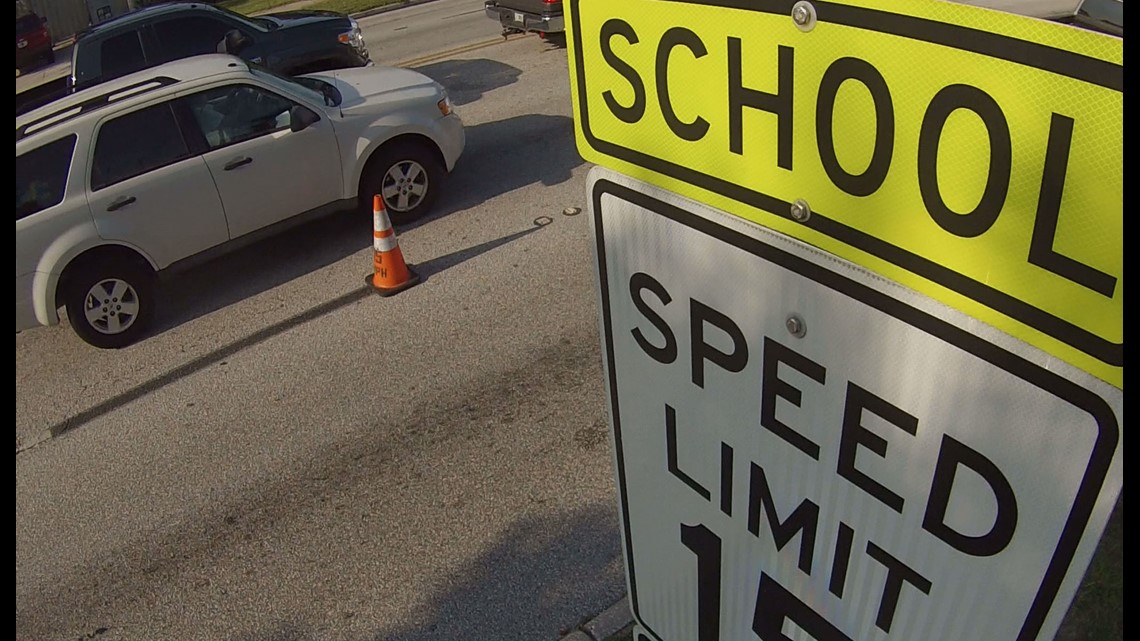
(800, 210)
(803, 14)
(796, 326)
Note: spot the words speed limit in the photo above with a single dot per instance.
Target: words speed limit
(970, 154)
(805, 450)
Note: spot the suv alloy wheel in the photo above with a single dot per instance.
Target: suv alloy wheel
(110, 305)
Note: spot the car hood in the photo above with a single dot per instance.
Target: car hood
(362, 87)
(290, 19)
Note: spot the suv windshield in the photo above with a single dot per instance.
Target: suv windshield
(316, 89)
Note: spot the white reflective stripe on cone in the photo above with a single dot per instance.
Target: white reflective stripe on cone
(380, 221)
(386, 244)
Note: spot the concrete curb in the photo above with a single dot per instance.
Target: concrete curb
(613, 620)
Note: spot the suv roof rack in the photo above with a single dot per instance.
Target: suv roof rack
(73, 110)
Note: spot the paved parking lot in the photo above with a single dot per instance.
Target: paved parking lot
(293, 457)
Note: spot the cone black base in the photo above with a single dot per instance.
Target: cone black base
(413, 280)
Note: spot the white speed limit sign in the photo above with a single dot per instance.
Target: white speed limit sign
(806, 450)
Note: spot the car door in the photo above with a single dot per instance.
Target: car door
(265, 172)
(148, 188)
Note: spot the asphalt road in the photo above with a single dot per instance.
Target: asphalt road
(293, 458)
(397, 36)
(393, 37)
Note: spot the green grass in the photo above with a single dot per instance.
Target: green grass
(352, 6)
(249, 7)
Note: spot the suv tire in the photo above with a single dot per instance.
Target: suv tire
(110, 305)
(408, 175)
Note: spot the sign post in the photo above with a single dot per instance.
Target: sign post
(860, 267)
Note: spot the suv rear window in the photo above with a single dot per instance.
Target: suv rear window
(190, 36)
(41, 176)
(121, 55)
(136, 143)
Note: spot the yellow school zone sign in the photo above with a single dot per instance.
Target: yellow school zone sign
(970, 154)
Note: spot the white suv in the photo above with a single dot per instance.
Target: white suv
(122, 180)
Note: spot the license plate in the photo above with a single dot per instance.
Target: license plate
(519, 18)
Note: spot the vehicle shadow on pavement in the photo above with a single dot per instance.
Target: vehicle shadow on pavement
(510, 154)
(218, 273)
(502, 156)
(467, 80)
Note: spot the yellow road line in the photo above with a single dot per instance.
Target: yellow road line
(458, 50)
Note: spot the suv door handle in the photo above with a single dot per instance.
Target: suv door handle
(234, 164)
(120, 202)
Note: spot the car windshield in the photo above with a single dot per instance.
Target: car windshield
(267, 22)
(317, 89)
(269, 25)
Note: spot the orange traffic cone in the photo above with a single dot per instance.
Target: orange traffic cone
(391, 274)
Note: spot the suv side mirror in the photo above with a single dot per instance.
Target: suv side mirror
(234, 42)
(301, 118)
